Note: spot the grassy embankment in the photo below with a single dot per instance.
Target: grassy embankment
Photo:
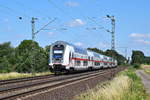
(12, 75)
(126, 86)
(146, 68)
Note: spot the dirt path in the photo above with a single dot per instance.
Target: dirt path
(145, 79)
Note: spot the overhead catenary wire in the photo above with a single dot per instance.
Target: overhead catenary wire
(100, 27)
(96, 27)
(7, 14)
(63, 12)
(15, 11)
(45, 26)
(60, 9)
(34, 10)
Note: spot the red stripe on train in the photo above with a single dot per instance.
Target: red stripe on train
(81, 59)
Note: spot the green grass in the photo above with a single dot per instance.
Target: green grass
(146, 68)
(13, 75)
(147, 71)
(126, 86)
(137, 90)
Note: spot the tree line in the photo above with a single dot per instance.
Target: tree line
(138, 57)
(29, 57)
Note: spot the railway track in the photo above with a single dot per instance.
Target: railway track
(51, 83)
(10, 81)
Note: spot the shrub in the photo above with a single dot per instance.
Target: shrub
(136, 66)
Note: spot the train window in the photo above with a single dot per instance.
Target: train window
(72, 55)
(85, 63)
(77, 63)
(69, 57)
(97, 63)
(89, 58)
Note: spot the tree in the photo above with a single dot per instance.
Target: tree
(31, 57)
(147, 60)
(96, 50)
(137, 57)
(7, 53)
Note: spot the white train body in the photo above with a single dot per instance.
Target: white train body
(66, 57)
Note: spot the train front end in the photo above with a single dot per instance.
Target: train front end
(57, 55)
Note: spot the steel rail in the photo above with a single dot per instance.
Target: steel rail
(10, 81)
(64, 82)
(43, 82)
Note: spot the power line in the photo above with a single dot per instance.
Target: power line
(34, 10)
(14, 11)
(7, 14)
(100, 27)
(60, 9)
(42, 28)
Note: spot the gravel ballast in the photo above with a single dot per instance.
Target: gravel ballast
(69, 91)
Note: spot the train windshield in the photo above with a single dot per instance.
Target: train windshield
(58, 51)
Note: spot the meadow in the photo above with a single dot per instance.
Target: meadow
(146, 68)
(125, 86)
(13, 75)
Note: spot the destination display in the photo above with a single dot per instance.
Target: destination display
(58, 51)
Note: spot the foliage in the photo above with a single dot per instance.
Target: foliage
(31, 57)
(137, 57)
(7, 57)
(147, 60)
(27, 57)
(136, 66)
(137, 89)
(96, 50)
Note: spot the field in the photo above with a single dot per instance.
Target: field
(146, 68)
(126, 86)
(12, 75)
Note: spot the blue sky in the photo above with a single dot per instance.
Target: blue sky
(79, 18)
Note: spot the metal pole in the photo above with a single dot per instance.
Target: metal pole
(33, 28)
(32, 50)
(113, 33)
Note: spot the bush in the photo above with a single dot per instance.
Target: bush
(136, 66)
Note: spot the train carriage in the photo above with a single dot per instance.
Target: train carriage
(65, 57)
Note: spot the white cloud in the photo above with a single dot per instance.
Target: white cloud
(139, 35)
(50, 33)
(72, 4)
(143, 41)
(79, 44)
(76, 22)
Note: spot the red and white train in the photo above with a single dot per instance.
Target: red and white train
(65, 57)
